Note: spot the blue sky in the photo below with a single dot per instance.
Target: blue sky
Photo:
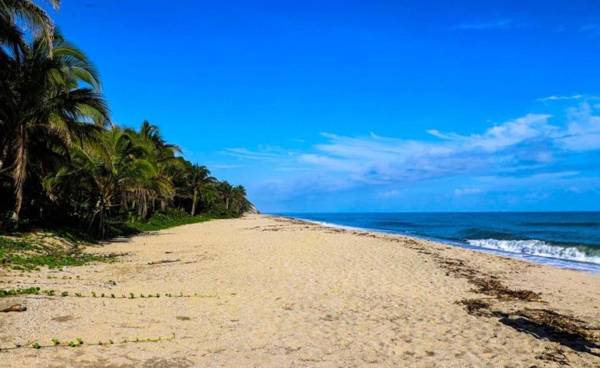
(364, 106)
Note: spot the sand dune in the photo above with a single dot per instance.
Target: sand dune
(269, 292)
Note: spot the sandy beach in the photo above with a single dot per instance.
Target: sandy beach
(261, 291)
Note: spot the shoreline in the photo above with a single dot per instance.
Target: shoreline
(277, 292)
(569, 264)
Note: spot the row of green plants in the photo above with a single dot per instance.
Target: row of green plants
(64, 164)
(35, 290)
(54, 342)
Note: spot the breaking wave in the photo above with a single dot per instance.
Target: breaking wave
(537, 248)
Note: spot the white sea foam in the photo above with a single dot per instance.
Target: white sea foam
(536, 248)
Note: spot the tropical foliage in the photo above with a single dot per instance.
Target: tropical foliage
(63, 162)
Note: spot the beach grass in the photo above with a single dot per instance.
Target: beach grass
(28, 255)
(31, 251)
(165, 220)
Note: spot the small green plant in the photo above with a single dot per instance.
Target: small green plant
(72, 344)
(131, 295)
(102, 295)
(93, 294)
(112, 296)
(64, 293)
(55, 342)
(14, 292)
(36, 345)
(78, 295)
(79, 341)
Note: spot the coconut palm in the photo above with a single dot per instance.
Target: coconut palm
(46, 103)
(107, 176)
(57, 155)
(162, 156)
(197, 181)
(33, 16)
(239, 203)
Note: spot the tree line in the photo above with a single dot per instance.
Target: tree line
(62, 162)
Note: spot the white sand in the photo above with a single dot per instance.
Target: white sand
(278, 293)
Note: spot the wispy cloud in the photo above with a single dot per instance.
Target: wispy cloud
(224, 166)
(501, 23)
(262, 154)
(560, 98)
(583, 130)
(375, 159)
(532, 150)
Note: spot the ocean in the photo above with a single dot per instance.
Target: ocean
(563, 239)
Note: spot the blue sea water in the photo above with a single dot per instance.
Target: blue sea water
(564, 239)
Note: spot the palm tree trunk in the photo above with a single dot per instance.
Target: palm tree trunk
(20, 170)
(194, 201)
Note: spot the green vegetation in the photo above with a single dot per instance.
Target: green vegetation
(34, 262)
(63, 164)
(16, 292)
(34, 290)
(26, 255)
(78, 342)
(166, 220)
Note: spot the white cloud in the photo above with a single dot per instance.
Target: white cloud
(560, 98)
(375, 159)
(262, 154)
(224, 166)
(531, 147)
(583, 131)
(531, 126)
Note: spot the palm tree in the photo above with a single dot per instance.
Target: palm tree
(163, 157)
(46, 103)
(226, 192)
(57, 155)
(239, 202)
(34, 16)
(198, 178)
(112, 173)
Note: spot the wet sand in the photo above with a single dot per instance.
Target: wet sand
(269, 292)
